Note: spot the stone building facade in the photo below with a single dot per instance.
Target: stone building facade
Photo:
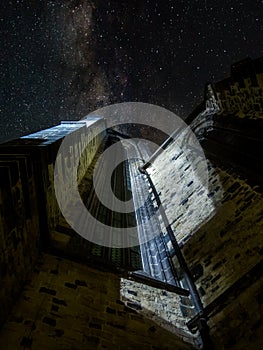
(59, 291)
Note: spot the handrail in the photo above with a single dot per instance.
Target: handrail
(201, 318)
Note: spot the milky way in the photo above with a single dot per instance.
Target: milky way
(61, 60)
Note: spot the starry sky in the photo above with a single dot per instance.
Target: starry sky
(63, 59)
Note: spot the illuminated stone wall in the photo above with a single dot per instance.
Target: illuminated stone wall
(219, 226)
(220, 229)
(161, 306)
(82, 142)
(188, 191)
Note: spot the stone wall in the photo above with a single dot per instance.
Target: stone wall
(85, 142)
(19, 226)
(219, 222)
(28, 206)
(229, 245)
(71, 306)
(243, 92)
(237, 324)
(188, 188)
(159, 305)
(219, 228)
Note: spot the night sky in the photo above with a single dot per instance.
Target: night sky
(63, 59)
